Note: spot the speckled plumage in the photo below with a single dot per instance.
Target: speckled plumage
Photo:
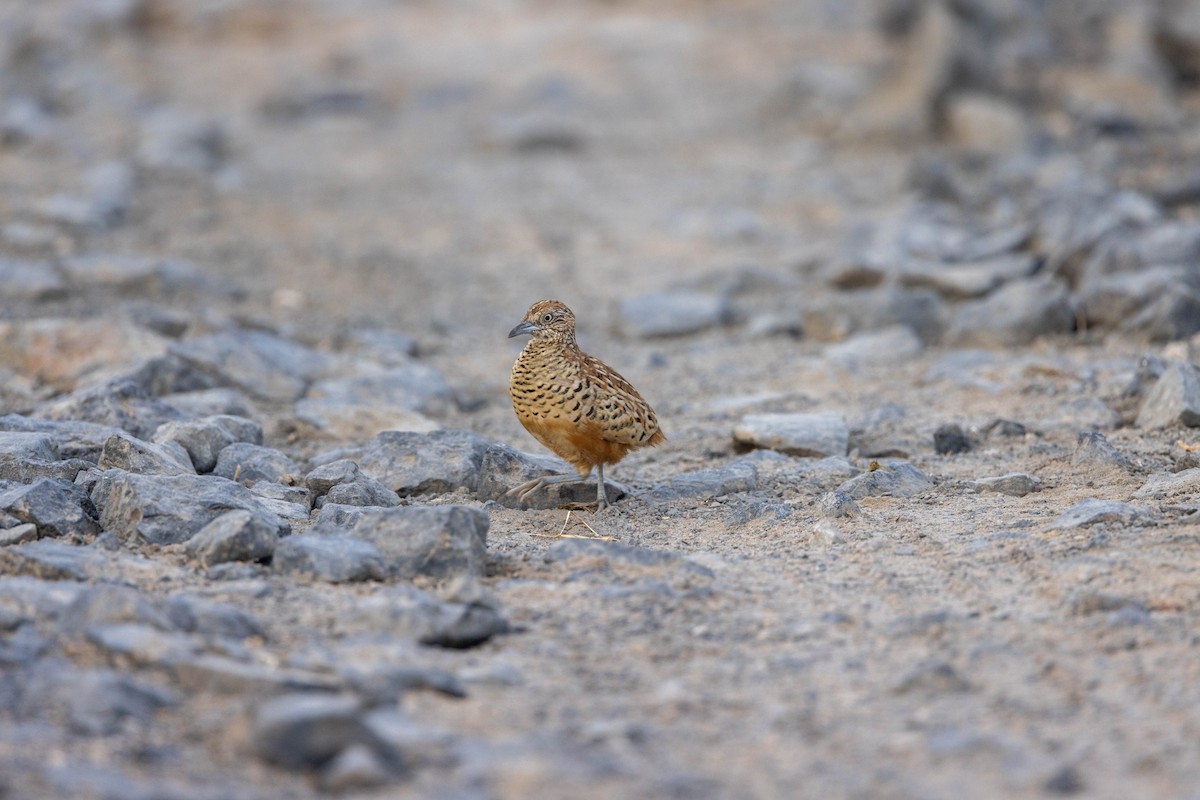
(577, 406)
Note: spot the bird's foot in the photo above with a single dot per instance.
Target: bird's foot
(562, 532)
(527, 488)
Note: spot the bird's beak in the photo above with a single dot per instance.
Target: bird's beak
(523, 328)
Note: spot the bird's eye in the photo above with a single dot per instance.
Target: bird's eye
(547, 318)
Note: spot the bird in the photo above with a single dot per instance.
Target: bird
(575, 405)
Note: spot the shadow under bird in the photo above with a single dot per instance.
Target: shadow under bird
(577, 406)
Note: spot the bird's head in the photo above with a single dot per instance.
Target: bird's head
(547, 320)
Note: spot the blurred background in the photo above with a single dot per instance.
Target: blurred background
(437, 166)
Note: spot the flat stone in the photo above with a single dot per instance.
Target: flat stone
(1094, 511)
(220, 675)
(963, 281)
(211, 618)
(504, 468)
(1167, 484)
(737, 476)
(893, 344)
(236, 535)
(26, 456)
(1094, 450)
(365, 491)
(171, 509)
(326, 476)
(18, 534)
(1173, 400)
(307, 730)
(145, 645)
(30, 281)
(291, 495)
(818, 435)
(405, 612)
(244, 462)
(439, 541)
(673, 313)
(131, 454)
(1015, 314)
(56, 506)
(56, 560)
(1016, 484)
(331, 558)
(892, 479)
(72, 438)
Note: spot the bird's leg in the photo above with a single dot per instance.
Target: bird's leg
(529, 487)
(601, 495)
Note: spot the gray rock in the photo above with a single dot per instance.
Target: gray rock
(326, 476)
(99, 700)
(673, 313)
(237, 535)
(95, 701)
(25, 457)
(1174, 399)
(502, 468)
(420, 463)
(28, 598)
(365, 491)
(1094, 450)
(892, 479)
(56, 506)
(172, 509)
(30, 281)
(822, 434)
(438, 541)
(408, 387)
(1016, 484)
(204, 439)
(737, 476)
(264, 366)
(119, 403)
(950, 439)
(106, 604)
(356, 767)
(390, 683)
(932, 678)
(1084, 413)
(331, 558)
(248, 463)
(18, 534)
(127, 274)
(102, 201)
(836, 505)
(893, 344)
(964, 281)
(55, 560)
(307, 730)
(1115, 301)
(73, 439)
(219, 675)
(131, 454)
(211, 402)
(208, 617)
(405, 612)
(1016, 314)
(281, 492)
(144, 645)
(1094, 511)
(1167, 484)
(834, 318)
